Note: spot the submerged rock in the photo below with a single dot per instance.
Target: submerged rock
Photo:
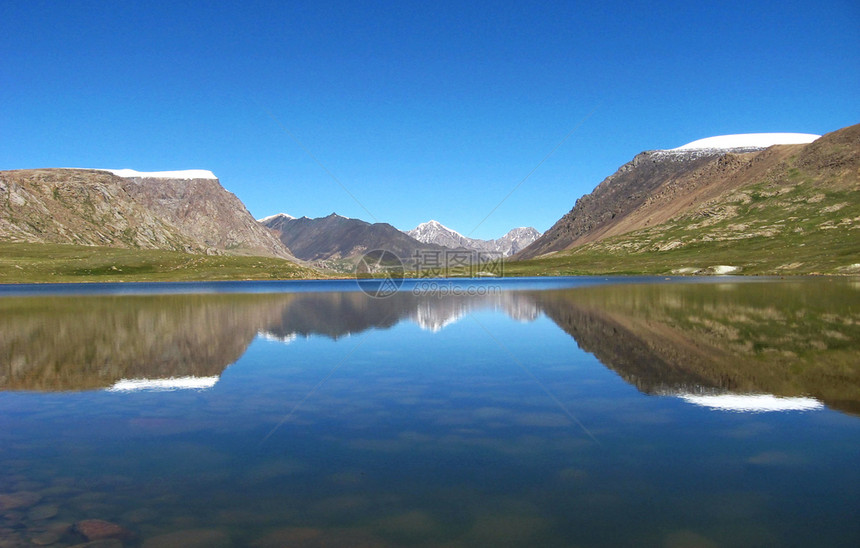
(21, 499)
(46, 538)
(43, 511)
(98, 529)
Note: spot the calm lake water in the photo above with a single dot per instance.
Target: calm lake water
(561, 412)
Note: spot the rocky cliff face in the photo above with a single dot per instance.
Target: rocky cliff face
(94, 207)
(663, 185)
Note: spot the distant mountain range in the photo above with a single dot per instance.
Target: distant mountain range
(734, 188)
(340, 238)
(434, 232)
(178, 210)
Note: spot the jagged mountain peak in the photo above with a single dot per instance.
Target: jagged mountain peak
(436, 233)
(523, 230)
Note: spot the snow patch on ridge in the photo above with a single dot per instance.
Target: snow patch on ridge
(750, 140)
(275, 216)
(182, 174)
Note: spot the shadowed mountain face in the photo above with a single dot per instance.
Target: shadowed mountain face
(661, 187)
(798, 338)
(336, 237)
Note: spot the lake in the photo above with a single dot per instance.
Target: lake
(534, 412)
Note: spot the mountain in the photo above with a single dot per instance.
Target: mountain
(738, 188)
(336, 237)
(434, 232)
(177, 210)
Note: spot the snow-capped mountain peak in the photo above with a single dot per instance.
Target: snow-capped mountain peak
(434, 232)
(436, 224)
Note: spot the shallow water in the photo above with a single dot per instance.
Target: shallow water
(565, 412)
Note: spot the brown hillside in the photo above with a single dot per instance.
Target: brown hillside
(92, 207)
(658, 186)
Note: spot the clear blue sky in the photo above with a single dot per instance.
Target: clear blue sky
(420, 109)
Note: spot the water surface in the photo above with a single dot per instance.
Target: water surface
(535, 413)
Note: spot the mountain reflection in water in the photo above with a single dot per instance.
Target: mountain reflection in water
(732, 346)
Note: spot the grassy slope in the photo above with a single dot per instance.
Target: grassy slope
(36, 263)
(793, 227)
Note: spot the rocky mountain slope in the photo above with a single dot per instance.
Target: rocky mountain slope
(434, 232)
(185, 210)
(710, 180)
(335, 237)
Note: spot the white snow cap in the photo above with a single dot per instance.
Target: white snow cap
(183, 174)
(275, 216)
(751, 140)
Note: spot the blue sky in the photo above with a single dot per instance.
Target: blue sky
(419, 109)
